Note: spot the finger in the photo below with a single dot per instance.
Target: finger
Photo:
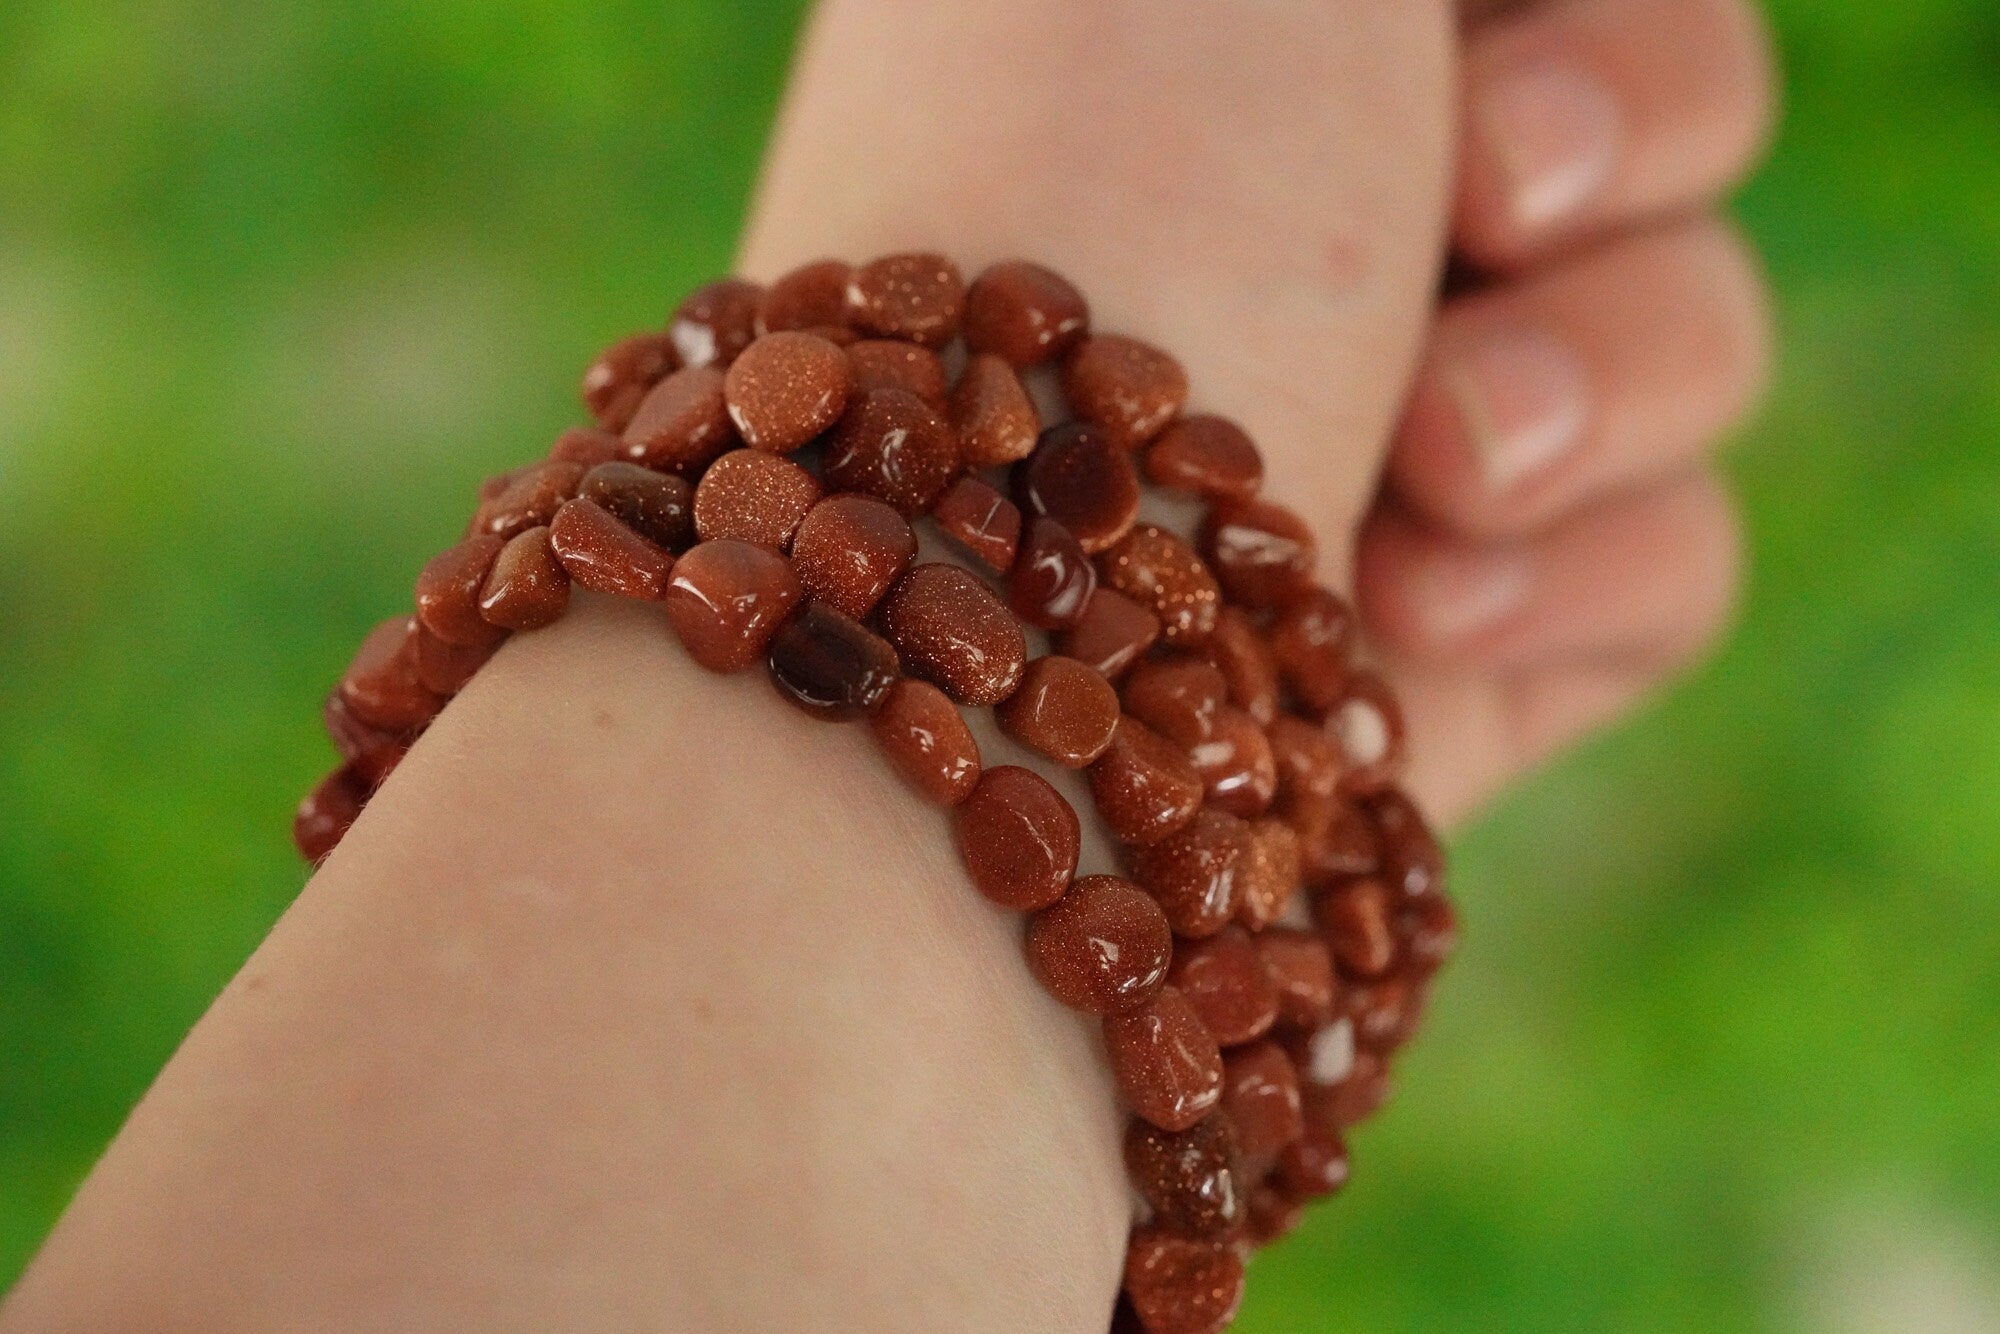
(1549, 393)
(1583, 116)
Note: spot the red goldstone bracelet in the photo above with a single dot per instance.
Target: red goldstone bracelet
(1240, 756)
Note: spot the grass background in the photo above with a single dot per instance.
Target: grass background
(1722, 1051)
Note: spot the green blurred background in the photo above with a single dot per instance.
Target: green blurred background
(278, 281)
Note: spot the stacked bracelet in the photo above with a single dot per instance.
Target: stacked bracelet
(1284, 913)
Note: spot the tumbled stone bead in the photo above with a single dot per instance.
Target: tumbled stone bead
(1208, 456)
(1166, 1063)
(811, 295)
(1314, 1165)
(753, 497)
(581, 444)
(1262, 553)
(621, 375)
(1193, 872)
(1335, 838)
(380, 686)
(1179, 697)
(1310, 639)
(1353, 1100)
(1129, 388)
(980, 519)
(1269, 875)
(530, 499)
(886, 363)
(1302, 970)
(1160, 571)
(1144, 785)
(725, 599)
(683, 424)
(1235, 765)
(1385, 1011)
(1062, 710)
(919, 297)
(1102, 947)
(952, 631)
(1239, 651)
(447, 592)
(526, 588)
(1224, 978)
(849, 550)
(1018, 838)
(838, 334)
(1366, 723)
(829, 665)
(1113, 633)
(925, 737)
(1272, 1216)
(996, 419)
(1260, 1096)
(657, 506)
(445, 668)
(1180, 1285)
(1411, 860)
(1324, 1055)
(1052, 580)
(1354, 918)
(1024, 313)
(715, 322)
(785, 389)
(598, 552)
(1083, 481)
(892, 445)
(1428, 927)
(373, 752)
(1187, 1176)
(327, 812)
(1308, 760)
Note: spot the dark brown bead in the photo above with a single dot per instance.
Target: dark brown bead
(1270, 874)
(600, 553)
(952, 631)
(1273, 1216)
(373, 752)
(785, 389)
(1428, 927)
(1308, 759)
(1193, 872)
(381, 687)
(621, 375)
(1239, 651)
(1262, 553)
(1366, 723)
(529, 499)
(885, 363)
(1113, 633)
(1235, 765)
(919, 297)
(829, 665)
(1412, 862)
(1179, 697)
(1102, 947)
(1129, 388)
(581, 444)
(1209, 456)
(328, 811)
(1052, 580)
(892, 445)
(683, 424)
(1224, 978)
(1260, 1096)
(1314, 1165)
(1166, 1063)
(925, 737)
(448, 591)
(1083, 481)
(1310, 640)
(849, 549)
(1385, 1011)
(726, 599)
(445, 668)
(980, 519)
(1358, 1096)
(1160, 571)
(811, 295)
(1302, 970)
(1354, 918)
(753, 497)
(1145, 786)
(658, 507)
(716, 322)
(527, 588)
(1182, 1286)
(1062, 710)
(1024, 313)
(1018, 838)
(996, 419)
(1335, 838)
(1187, 1176)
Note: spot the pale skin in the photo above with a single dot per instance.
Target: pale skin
(638, 1001)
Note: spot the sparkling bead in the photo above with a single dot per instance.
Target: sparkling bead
(658, 507)
(1024, 313)
(1018, 838)
(925, 737)
(526, 588)
(726, 599)
(1052, 580)
(752, 496)
(580, 444)
(380, 687)
(1366, 724)
(1193, 872)
(811, 295)
(996, 419)
(1166, 1063)
(1178, 697)
(1302, 970)
(1260, 1096)
(849, 549)
(1083, 481)
(1062, 709)
(1113, 633)
(716, 322)
(980, 519)
(1262, 553)
(829, 665)
(1308, 760)
(683, 424)
(600, 553)
(785, 389)
(1102, 947)
(621, 375)
(1159, 571)
(1335, 838)
(1239, 651)
(1224, 978)
(529, 499)
(1127, 387)
(1182, 1286)
(1269, 875)
(1209, 456)
(447, 592)
(445, 668)
(951, 630)
(919, 297)
(1144, 785)
(885, 363)
(328, 811)
(1354, 918)
(1310, 639)
(1187, 1176)
(1235, 765)
(892, 445)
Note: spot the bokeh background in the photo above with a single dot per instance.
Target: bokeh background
(279, 281)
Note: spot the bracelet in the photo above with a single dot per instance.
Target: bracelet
(1208, 690)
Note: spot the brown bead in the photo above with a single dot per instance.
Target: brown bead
(1273, 1216)
(919, 297)
(1062, 709)
(445, 668)
(656, 506)
(952, 631)
(1193, 872)
(716, 322)
(1179, 1285)
(1310, 640)
(1353, 1100)
(1270, 874)
(785, 389)
(980, 519)
(1018, 838)
(373, 752)
(683, 424)
(328, 811)
(1235, 765)
(1428, 927)
(1224, 978)
(1187, 1176)
(1102, 947)
(1412, 862)
(1385, 1011)
(829, 665)
(1145, 786)
(848, 550)
(1314, 1165)
(925, 737)
(1336, 838)
(838, 334)
(448, 591)
(1166, 1063)
(1129, 388)
(1083, 481)
(811, 295)
(892, 445)
(1366, 723)
(621, 375)
(1113, 633)
(996, 419)
(753, 497)
(727, 598)
(1209, 456)
(1239, 651)
(1262, 553)
(886, 363)
(1024, 313)
(527, 588)
(581, 444)
(600, 553)
(380, 687)
(1354, 918)
(1302, 970)
(1260, 1096)
(529, 499)
(1179, 697)
(1052, 580)
(1160, 571)
(1308, 759)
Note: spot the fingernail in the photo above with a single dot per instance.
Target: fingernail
(1458, 595)
(1553, 130)
(1523, 399)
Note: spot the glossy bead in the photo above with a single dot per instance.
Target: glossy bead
(1179, 1285)
(829, 665)
(373, 752)
(1208, 456)
(1262, 553)
(919, 297)
(1310, 640)
(848, 550)
(892, 445)
(1308, 760)
(926, 739)
(1193, 872)
(752, 496)
(1239, 652)
(1260, 1096)
(1113, 633)
(526, 588)
(980, 519)
(1354, 918)
(600, 553)
(581, 444)
(1052, 580)
(725, 599)
(716, 322)
(1412, 862)
(1385, 1011)
(1224, 978)
(1158, 570)
(885, 363)
(529, 499)
(811, 295)
(1235, 765)
(683, 424)
(380, 686)
(445, 668)
(1024, 313)
(1187, 1176)
(621, 375)
(1324, 1054)
(1018, 838)
(1366, 723)
(1270, 874)
(447, 592)
(658, 507)
(1166, 1063)
(1314, 1165)
(1428, 927)
(1335, 838)
(1353, 1100)
(1102, 947)
(324, 817)
(1178, 697)
(1302, 970)
(1062, 710)
(951, 630)
(996, 419)
(1083, 481)
(1144, 785)
(785, 389)
(1129, 388)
